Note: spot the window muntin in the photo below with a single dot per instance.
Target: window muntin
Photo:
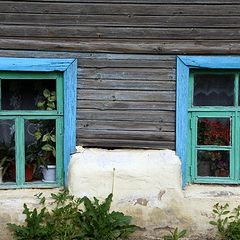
(26, 171)
(214, 127)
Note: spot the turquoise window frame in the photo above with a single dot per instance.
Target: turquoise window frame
(67, 92)
(183, 139)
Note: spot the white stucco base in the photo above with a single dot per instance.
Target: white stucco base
(145, 183)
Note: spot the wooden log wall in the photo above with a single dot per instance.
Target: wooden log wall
(126, 51)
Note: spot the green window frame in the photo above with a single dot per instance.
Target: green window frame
(229, 113)
(19, 116)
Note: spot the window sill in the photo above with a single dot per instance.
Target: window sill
(196, 191)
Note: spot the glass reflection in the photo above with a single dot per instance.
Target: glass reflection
(214, 131)
(40, 149)
(7, 151)
(28, 94)
(213, 163)
(213, 90)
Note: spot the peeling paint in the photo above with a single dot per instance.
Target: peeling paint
(160, 194)
(142, 201)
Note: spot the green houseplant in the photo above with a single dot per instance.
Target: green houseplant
(46, 138)
(41, 151)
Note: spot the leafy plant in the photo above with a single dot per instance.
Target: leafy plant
(100, 224)
(43, 151)
(34, 227)
(175, 235)
(227, 222)
(47, 139)
(70, 218)
(48, 100)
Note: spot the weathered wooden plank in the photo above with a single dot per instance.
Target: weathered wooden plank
(125, 125)
(125, 46)
(123, 20)
(127, 73)
(145, 1)
(134, 135)
(126, 63)
(106, 8)
(126, 85)
(119, 32)
(102, 60)
(123, 95)
(90, 59)
(129, 143)
(127, 115)
(125, 105)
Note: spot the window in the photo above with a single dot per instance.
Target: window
(214, 113)
(37, 101)
(207, 122)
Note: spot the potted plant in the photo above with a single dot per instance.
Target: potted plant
(46, 139)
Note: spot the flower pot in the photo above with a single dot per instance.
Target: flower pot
(28, 173)
(1, 174)
(49, 173)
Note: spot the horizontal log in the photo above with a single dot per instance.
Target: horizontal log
(126, 85)
(121, 20)
(120, 143)
(123, 95)
(133, 135)
(125, 46)
(217, 2)
(125, 125)
(128, 8)
(116, 32)
(127, 74)
(125, 105)
(140, 116)
(126, 63)
(102, 60)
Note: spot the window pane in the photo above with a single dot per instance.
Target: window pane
(40, 150)
(28, 94)
(213, 163)
(214, 131)
(213, 90)
(7, 151)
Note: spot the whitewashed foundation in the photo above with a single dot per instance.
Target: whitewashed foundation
(145, 183)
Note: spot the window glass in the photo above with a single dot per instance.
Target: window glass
(7, 151)
(213, 90)
(213, 131)
(40, 149)
(28, 94)
(213, 163)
